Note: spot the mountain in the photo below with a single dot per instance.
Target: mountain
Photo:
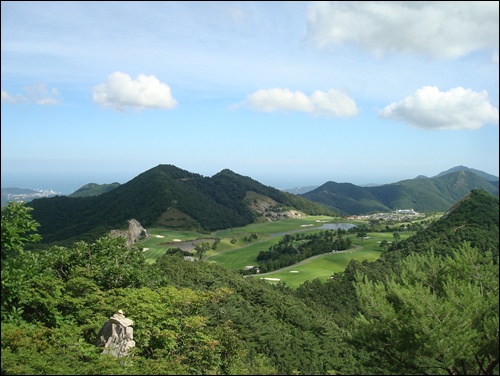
(170, 197)
(93, 189)
(421, 194)
(474, 218)
(463, 168)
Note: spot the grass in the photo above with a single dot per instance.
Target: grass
(326, 265)
(279, 226)
(235, 251)
(231, 238)
(247, 255)
(154, 243)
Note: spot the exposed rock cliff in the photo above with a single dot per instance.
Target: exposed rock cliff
(268, 208)
(134, 233)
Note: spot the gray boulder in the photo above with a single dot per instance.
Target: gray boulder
(134, 233)
(117, 335)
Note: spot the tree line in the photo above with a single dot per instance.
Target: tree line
(418, 309)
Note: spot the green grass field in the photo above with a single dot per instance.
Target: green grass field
(235, 251)
(280, 226)
(321, 267)
(160, 236)
(262, 230)
(241, 257)
(325, 265)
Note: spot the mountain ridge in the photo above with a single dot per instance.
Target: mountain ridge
(489, 177)
(93, 189)
(421, 194)
(170, 197)
(483, 174)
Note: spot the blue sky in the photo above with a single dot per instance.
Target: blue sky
(288, 93)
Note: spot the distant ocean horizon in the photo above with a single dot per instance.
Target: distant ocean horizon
(64, 185)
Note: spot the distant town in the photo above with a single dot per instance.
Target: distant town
(25, 194)
(396, 215)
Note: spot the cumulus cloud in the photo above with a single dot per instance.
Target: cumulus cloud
(437, 28)
(121, 91)
(431, 109)
(331, 103)
(37, 94)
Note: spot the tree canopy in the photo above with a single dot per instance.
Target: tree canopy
(415, 310)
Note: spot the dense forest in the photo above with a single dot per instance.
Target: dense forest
(422, 194)
(164, 196)
(93, 189)
(428, 305)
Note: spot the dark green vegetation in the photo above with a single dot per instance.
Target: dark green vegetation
(482, 174)
(297, 247)
(169, 197)
(166, 196)
(93, 189)
(428, 305)
(421, 194)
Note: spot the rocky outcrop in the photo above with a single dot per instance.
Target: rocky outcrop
(134, 233)
(117, 335)
(268, 208)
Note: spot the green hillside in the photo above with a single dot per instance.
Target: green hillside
(482, 174)
(93, 189)
(421, 194)
(413, 311)
(165, 196)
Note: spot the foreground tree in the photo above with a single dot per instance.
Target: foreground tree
(18, 228)
(440, 316)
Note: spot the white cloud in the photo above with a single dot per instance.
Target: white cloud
(436, 28)
(40, 95)
(146, 92)
(431, 109)
(37, 94)
(6, 97)
(331, 103)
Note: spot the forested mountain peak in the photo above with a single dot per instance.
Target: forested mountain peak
(169, 171)
(227, 171)
(482, 174)
(421, 194)
(164, 196)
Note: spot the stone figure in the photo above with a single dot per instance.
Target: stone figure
(116, 335)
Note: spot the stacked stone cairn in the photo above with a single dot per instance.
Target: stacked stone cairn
(117, 335)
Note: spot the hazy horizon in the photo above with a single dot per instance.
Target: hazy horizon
(68, 183)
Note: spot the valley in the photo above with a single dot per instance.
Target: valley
(328, 296)
(238, 248)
